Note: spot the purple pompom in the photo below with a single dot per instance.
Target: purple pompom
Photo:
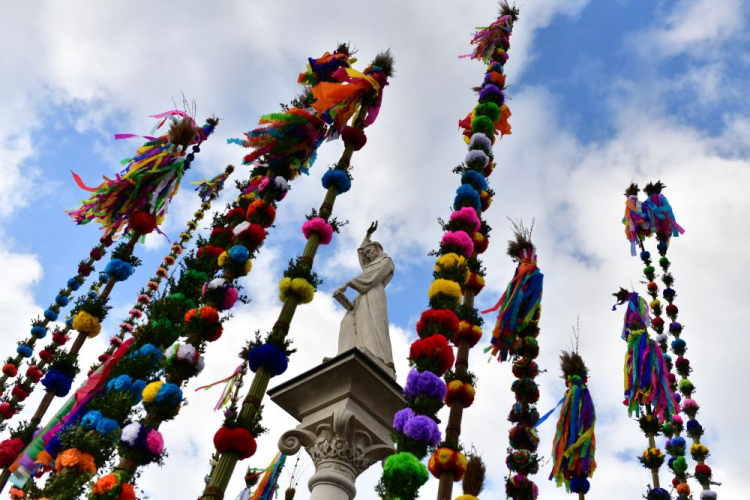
(491, 92)
(424, 384)
(400, 419)
(422, 428)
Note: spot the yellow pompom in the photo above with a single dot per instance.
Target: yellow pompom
(87, 324)
(248, 267)
(223, 258)
(303, 290)
(655, 303)
(467, 497)
(284, 286)
(447, 288)
(150, 391)
(449, 261)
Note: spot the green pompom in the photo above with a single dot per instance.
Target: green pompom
(664, 262)
(488, 109)
(686, 386)
(680, 465)
(403, 475)
(483, 125)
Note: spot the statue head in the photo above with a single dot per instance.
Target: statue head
(372, 251)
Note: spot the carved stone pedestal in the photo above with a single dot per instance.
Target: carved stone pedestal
(345, 408)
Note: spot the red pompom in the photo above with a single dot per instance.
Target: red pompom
(96, 254)
(657, 322)
(10, 370)
(106, 241)
(672, 310)
(261, 212)
(251, 238)
(355, 137)
(205, 322)
(9, 451)
(216, 335)
(34, 373)
(84, 270)
(59, 337)
(440, 321)
(235, 216)
(435, 349)
(103, 357)
(703, 469)
(6, 411)
(210, 250)
(142, 222)
(19, 393)
(46, 355)
(238, 440)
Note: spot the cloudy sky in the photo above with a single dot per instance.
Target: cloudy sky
(603, 93)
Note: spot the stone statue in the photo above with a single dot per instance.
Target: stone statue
(365, 324)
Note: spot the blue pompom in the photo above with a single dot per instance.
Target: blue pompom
(169, 394)
(118, 269)
(38, 331)
(89, 421)
(121, 383)
(73, 284)
(658, 494)
(667, 358)
(269, 356)
(662, 246)
(467, 196)
(149, 350)
(137, 388)
(579, 484)
(56, 381)
(475, 179)
(24, 351)
(62, 300)
(103, 278)
(92, 294)
(339, 178)
(678, 442)
(238, 254)
(678, 344)
(107, 426)
(645, 255)
(50, 315)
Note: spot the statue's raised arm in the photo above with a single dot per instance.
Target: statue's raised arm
(365, 325)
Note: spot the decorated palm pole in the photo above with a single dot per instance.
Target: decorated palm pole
(40, 329)
(349, 94)
(135, 202)
(514, 337)
(574, 445)
(100, 409)
(658, 219)
(648, 394)
(489, 117)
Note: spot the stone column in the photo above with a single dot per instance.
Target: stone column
(345, 408)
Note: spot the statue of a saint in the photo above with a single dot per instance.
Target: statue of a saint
(365, 324)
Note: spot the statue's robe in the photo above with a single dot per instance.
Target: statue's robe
(366, 325)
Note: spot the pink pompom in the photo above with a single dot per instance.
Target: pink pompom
(126, 326)
(154, 442)
(116, 341)
(689, 404)
(136, 313)
(459, 241)
(467, 216)
(676, 419)
(319, 226)
(144, 299)
(230, 298)
(264, 184)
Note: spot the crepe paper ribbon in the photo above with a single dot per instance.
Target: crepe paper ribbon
(227, 392)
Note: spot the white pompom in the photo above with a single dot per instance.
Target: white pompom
(216, 283)
(480, 141)
(281, 183)
(662, 337)
(130, 433)
(241, 227)
(186, 352)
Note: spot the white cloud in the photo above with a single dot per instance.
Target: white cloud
(699, 27)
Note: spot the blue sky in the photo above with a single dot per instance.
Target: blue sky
(603, 92)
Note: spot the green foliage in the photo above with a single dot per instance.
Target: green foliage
(96, 307)
(60, 487)
(299, 268)
(466, 377)
(125, 254)
(469, 314)
(65, 363)
(114, 404)
(335, 223)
